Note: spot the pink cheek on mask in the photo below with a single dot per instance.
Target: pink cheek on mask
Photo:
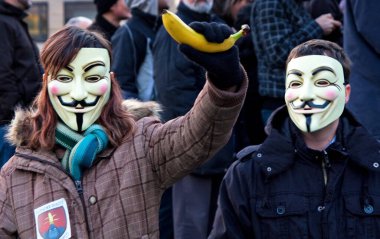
(54, 90)
(331, 94)
(289, 96)
(103, 88)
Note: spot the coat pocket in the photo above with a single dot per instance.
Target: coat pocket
(362, 216)
(283, 216)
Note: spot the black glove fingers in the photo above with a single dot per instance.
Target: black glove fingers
(198, 26)
(217, 32)
(226, 31)
(213, 32)
(223, 67)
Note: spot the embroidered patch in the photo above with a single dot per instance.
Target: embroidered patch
(52, 220)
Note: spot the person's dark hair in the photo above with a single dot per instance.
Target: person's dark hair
(58, 51)
(103, 6)
(325, 48)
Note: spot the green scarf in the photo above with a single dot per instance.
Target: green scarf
(81, 150)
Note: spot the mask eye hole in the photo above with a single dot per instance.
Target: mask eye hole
(295, 84)
(93, 78)
(64, 79)
(322, 83)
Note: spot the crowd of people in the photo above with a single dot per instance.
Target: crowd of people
(115, 130)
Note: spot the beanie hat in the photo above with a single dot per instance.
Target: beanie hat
(104, 5)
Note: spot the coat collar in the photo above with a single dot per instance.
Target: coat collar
(8, 9)
(278, 152)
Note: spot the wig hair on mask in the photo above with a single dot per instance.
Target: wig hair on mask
(58, 51)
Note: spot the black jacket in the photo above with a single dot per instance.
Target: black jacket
(20, 71)
(178, 82)
(278, 191)
(103, 26)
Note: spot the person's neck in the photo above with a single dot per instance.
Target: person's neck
(321, 139)
(111, 19)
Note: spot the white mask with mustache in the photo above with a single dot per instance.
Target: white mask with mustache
(80, 91)
(315, 91)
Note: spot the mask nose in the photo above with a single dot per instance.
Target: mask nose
(79, 92)
(307, 91)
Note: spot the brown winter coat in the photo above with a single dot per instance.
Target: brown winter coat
(122, 191)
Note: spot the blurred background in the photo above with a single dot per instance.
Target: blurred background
(47, 16)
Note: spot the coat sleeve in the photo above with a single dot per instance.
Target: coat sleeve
(9, 91)
(8, 228)
(365, 14)
(276, 34)
(232, 218)
(124, 62)
(180, 145)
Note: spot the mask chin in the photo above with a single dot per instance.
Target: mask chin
(79, 121)
(309, 123)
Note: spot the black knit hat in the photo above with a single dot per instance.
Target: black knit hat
(104, 5)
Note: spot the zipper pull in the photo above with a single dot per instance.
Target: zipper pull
(326, 159)
(78, 186)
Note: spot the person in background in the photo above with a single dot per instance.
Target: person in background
(178, 81)
(277, 27)
(132, 50)
(163, 5)
(249, 128)
(91, 169)
(81, 22)
(228, 10)
(109, 15)
(20, 71)
(318, 7)
(317, 174)
(362, 44)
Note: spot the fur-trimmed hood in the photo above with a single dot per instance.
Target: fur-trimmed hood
(20, 127)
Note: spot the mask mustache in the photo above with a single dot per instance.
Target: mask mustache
(75, 103)
(311, 105)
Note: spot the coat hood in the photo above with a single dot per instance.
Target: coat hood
(147, 6)
(19, 130)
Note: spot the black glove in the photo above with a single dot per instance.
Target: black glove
(223, 67)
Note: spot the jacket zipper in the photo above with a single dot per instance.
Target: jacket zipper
(326, 165)
(79, 188)
(77, 183)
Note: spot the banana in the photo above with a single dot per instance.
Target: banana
(183, 34)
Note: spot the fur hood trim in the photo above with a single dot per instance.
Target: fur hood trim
(20, 128)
